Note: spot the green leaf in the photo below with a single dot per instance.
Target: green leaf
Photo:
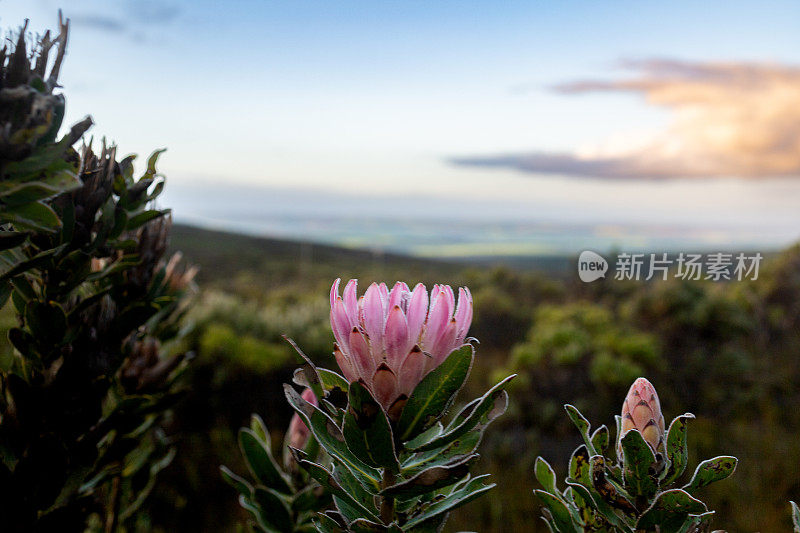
(583, 426)
(326, 524)
(462, 495)
(608, 491)
(476, 414)
(431, 479)
(559, 512)
(711, 470)
(545, 475)
(313, 497)
(33, 191)
(361, 525)
(638, 466)
(580, 469)
(312, 378)
(596, 502)
(11, 239)
(33, 216)
(237, 482)
(366, 429)
(699, 522)
(140, 219)
(601, 439)
(46, 321)
(260, 429)
(331, 439)
(435, 393)
(260, 461)
(273, 509)
(326, 479)
(453, 451)
(349, 483)
(795, 516)
(253, 509)
(676, 450)
(669, 511)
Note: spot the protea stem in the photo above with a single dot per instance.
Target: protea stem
(387, 502)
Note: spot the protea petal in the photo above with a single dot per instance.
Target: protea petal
(437, 320)
(463, 314)
(396, 338)
(417, 312)
(351, 301)
(398, 296)
(384, 386)
(335, 290)
(340, 323)
(373, 316)
(345, 365)
(445, 343)
(360, 356)
(411, 371)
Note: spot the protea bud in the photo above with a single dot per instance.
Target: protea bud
(298, 432)
(391, 339)
(641, 411)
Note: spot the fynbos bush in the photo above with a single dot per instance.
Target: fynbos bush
(639, 490)
(83, 266)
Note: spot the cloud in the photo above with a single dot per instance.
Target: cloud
(137, 17)
(729, 119)
(98, 22)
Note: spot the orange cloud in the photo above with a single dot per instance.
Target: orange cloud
(730, 119)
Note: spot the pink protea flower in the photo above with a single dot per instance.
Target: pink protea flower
(641, 411)
(298, 432)
(392, 339)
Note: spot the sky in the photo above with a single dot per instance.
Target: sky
(547, 126)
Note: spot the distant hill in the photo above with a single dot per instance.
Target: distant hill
(222, 254)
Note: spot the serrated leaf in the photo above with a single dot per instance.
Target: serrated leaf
(260, 461)
(583, 426)
(331, 439)
(455, 499)
(676, 450)
(669, 511)
(435, 393)
(711, 470)
(638, 465)
(545, 475)
(559, 512)
(366, 429)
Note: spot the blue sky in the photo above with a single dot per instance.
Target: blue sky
(360, 103)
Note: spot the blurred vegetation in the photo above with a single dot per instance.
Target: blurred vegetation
(724, 351)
